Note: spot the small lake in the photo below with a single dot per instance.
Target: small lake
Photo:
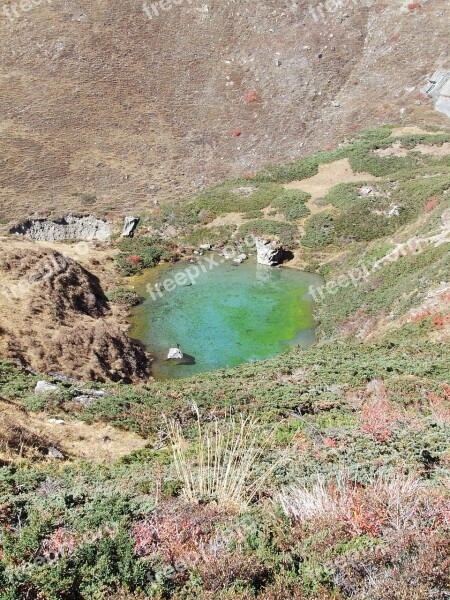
(229, 315)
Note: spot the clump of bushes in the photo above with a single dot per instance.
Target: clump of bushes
(286, 232)
(140, 253)
(319, 230)
(124, 296)
(291, 204)
(238, 195)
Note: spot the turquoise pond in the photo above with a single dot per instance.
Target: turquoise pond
(232, 314)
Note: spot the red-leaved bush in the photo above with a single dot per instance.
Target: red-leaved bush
(379, 418)
(431, 204)
(134, 259)
(251, 97)
(414, 5)
(237, 132)
(59, 544)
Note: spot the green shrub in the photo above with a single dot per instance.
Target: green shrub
(124, 297)
(148, 250)
(209, 235)
(236, 196)
(286, 232)
(291, 204)
(319, 230)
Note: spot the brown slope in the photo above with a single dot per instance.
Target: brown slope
(96, 98)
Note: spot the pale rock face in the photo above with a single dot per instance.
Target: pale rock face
(43, 387)
(129, 226)
(270, 252)
(175, 354)
(71, 227)
(439, 89)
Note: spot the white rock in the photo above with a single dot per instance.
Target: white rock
(206, 247)
(129, 225)
(240, 259)
(175, 354)
(43, 387)
(55, 453)
(56, 421)
(270, 252)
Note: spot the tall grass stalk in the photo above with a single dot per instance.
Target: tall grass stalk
(222, 468)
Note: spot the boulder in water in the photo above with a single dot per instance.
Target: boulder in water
(175, 354)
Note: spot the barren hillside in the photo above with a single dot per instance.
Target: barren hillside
(106, 109)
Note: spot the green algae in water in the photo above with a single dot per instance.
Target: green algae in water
(231, 315)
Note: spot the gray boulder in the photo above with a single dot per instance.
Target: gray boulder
(129, 226)
(43, 387)
(270, 252)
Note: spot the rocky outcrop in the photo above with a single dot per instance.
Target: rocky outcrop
(71, 227)
(438, 88)
(55, 318)
(175, 354)
(129, 226)
(269, 252)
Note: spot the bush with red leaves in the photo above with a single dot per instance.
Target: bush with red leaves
(431, 204)
(251, 97)
(379, 418)
(414, 5)
(59, 544)
(237, 132)
(134, 259)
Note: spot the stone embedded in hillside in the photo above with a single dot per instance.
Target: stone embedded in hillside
(438, 88)
(43, 387)
(129, 226)
(71, 227)
(270, 252)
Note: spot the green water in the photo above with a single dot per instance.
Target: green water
(230, 315)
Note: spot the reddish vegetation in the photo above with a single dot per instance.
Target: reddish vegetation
(440, 321)
(237, 132)
(60, 543)
(422, 315)
(134, 259)
(431, 204)
(414, 5)
(251, 97)
(440, 404)
(379, 418)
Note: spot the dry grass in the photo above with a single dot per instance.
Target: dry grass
(222, 467)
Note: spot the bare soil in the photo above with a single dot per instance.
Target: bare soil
(26, 435)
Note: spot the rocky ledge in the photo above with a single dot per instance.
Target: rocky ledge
(71, 227)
